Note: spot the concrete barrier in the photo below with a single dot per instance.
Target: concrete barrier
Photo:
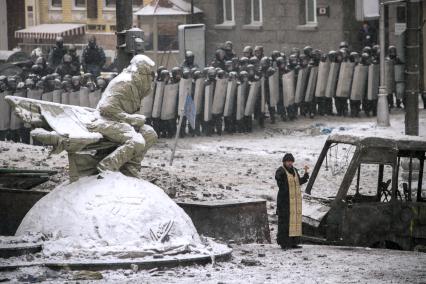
(240, 221)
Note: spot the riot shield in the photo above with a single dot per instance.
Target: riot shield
(263, 95)
(288, 88)
(57, 96)
(170, 100)
(230, 98)
(254, 92)
(219, 96)
(47, 97)
(34, 94)
(74, 98)
(15, 121)
(399, 81)
(330, 89)
(84, 97)
(373, 82)
(5, 111)
(148, 102)
(208, 101)
(198, 95)
(274, 89)
(389, 76)
(241, 99)
(345, 80)
(302, 80)
(94, 98)
(185, 89)
(359, 83)
(65, 98)
(312, 82)
(323, 71)
(158, 99)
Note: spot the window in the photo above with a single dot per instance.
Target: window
(79, 3)
(228, 12)
(256, 12)
(110, 3)
(56, 4)
(92, 9)
(311, 12)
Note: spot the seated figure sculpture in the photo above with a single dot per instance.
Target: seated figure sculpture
(112, 137)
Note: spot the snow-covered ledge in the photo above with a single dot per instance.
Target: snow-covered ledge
(253, 27)
(225, 26)
(307, 27)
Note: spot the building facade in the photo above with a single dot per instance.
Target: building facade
(97, 15)
(280, 24)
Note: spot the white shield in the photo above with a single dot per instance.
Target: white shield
(148, 102)
(345, 80)
(288, 88)
(231, 92)
(274, 89)
(254, 92)
(312, 83)
(330, 89)
(199, 95)
(241, 99)
(75, 98)
(323, 71)
(47, 97)
(185, 89)
(208, 101)
(34, 94)
(57, 96)
(302, 81)
(170, 100)
(94, 98)
(373, 82)
(219, 96)
(360, 81)
(84, 97)
(263, 82)
(65, 98)
(158, 99)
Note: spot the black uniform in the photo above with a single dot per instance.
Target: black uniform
(93, 59)
(283, 206)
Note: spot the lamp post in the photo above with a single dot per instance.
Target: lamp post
(382, 104)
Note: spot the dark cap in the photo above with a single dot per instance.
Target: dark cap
(288, 157)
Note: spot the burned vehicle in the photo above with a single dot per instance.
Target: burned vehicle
(378, 200)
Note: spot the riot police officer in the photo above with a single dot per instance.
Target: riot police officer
(189, 63)
(229, 52)
(56, 54)
(248, 51)
(93, 57)
(219, 60)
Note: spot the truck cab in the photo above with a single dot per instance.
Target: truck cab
(379, 199)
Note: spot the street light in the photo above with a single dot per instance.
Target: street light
(382, 103)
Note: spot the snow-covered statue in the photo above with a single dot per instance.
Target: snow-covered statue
(117, 214)
(112, 137)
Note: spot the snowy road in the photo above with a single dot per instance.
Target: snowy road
(241, 166)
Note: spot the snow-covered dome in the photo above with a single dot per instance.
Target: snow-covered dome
(110, 215)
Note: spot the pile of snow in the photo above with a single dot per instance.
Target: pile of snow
(113, 215)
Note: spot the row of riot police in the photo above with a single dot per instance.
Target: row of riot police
(84, 91)
(232, 92)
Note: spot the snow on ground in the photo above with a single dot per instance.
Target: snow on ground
(242, 166)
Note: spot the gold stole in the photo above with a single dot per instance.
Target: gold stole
(295, 203)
